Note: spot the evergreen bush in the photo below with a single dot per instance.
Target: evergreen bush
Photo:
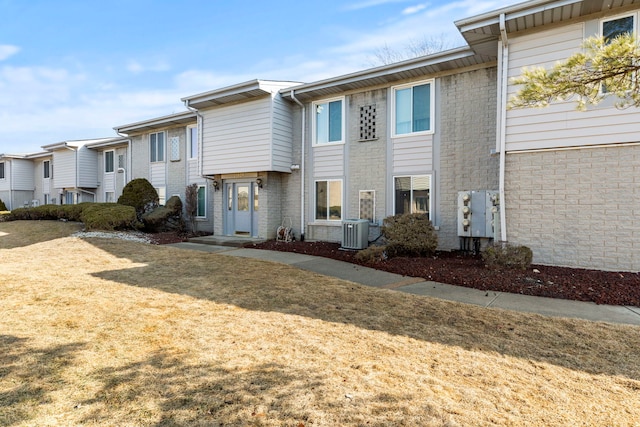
(140, 194)
(109, 217)
(501, 255)
(409, 235)
(165, 218)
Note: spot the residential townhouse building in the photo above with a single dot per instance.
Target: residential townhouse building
(415, 136)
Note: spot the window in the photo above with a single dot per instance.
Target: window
(108, 161)
(46, 166)
(1, 170)
(201, 211)
(47, 200)
(69, 198)
(156, 146)
(328, 122)
(192, 136)
(616, 27)
(109, 197)
(367, 205)
(412, 194)
(329, 200)
(412, 107)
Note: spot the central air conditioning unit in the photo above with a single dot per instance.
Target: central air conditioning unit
(355, 233)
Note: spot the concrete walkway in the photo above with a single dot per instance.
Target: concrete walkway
(417, 286)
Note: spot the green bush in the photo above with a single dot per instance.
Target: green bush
(507, 256)
(3, 207)
(109, 216)
(409, 235)
(165, 218)
(140, 194)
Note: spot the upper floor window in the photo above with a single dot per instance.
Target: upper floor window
(108, 161)
(412, 108)
(192, 136)
(1, 170)
(618, 26)
(46, 166)
(328, 121)
(156, 147)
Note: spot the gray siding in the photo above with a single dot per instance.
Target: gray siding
(87, 168)
(65, 169)
(22, 175)
(561, 125)
(282, 135)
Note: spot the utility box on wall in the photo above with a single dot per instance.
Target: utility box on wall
(478, 213)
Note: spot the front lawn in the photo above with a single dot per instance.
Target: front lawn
(113, 332)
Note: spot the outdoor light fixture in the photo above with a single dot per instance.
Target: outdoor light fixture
(216, 185)
(259, 182)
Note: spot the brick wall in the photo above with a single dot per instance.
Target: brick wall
(467, 134)
(576, 208)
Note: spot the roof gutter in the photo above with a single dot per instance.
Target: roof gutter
(200, 124)
(503, 65)
(302, 162)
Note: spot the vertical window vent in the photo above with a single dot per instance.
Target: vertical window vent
(368, 123)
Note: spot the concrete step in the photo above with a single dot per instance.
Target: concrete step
(233, 241)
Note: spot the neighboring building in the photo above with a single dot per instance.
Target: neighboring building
(76, 175)
(16, 181)
(571, 179)
(112, 167)
(166, 152)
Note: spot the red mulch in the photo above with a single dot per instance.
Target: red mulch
(455, 268)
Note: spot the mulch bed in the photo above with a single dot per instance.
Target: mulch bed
(455, 268)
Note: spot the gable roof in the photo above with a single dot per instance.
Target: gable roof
(240, 92)
(74, 145)
(183, 118)
(481, 31)
(416, 67)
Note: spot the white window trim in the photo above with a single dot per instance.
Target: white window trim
(205, 202)
(4, 170)
(314, 106)
(393, 189)
(164, 147)
(622, 16)
(113, 161)
(432, 98)
(191, 156)
(315, 198)
(46, 169)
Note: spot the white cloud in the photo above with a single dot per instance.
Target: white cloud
(7, 50)
(369, 3)
(136, 67)
(414, 9)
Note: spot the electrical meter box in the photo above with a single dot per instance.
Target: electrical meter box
(478, 213)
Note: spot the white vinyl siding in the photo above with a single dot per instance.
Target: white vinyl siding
(561, 125)
(412, 153)
(65, 173)
(192, 141)
(247, 137)
(328, 160)
(87, 168)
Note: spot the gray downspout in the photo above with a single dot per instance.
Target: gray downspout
(129, 160)
(302, 164)
(502, 130)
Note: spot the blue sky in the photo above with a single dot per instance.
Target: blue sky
(74, 69)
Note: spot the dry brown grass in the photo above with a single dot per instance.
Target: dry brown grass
(107, 332)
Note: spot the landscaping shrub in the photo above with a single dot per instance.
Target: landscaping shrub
(140, 194)
(165, 218)
(109, 216)
(372, 254)
(409, 235)
(3, 207)
(507, 256)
